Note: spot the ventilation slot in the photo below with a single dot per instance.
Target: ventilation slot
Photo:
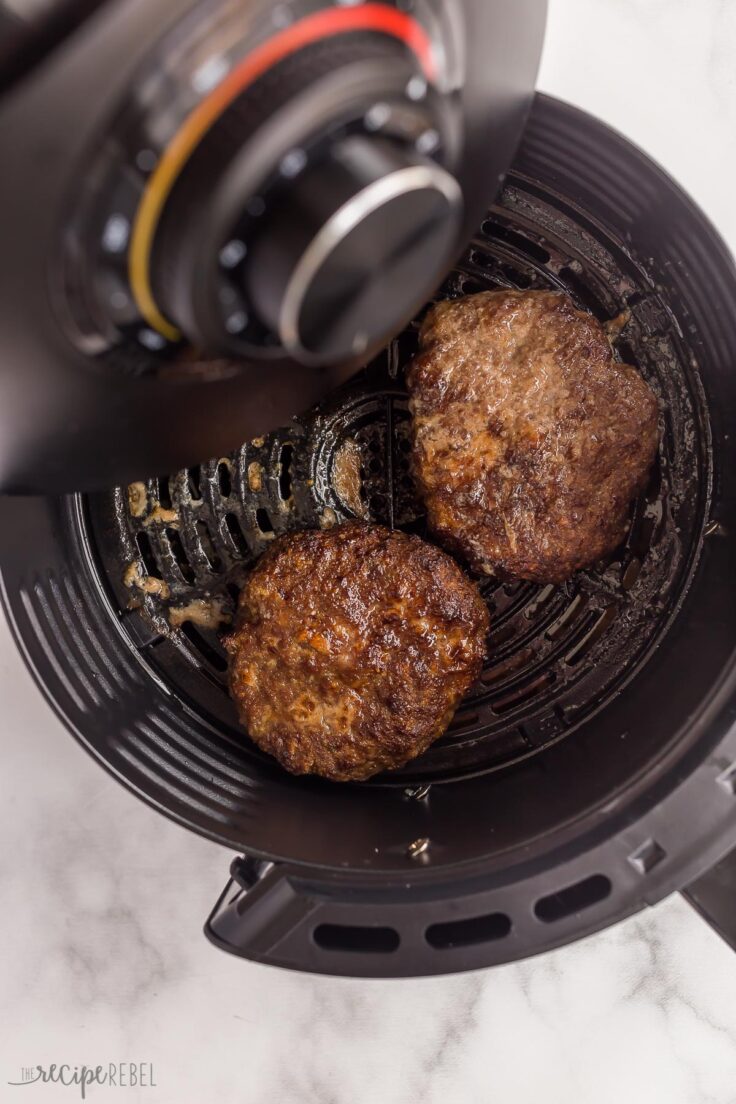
(144, 547)
(214, 658)
(472, 287)
(501, 636)
(483, 260)
(238, 537)
(566, 619)
(573, 899)
(164, 492)
(590, 638)
(285, 459)
(358, 940)
(263, 520)
(513, 663)
(193, 477)
(464, 720)
(631, 574)
(524, 693)
(467, 933)
(517, 241)
(641, 536)
(208, 547)
(583, 293)
(223, 475)
(180, 555)
(539, 601)
(515, 276)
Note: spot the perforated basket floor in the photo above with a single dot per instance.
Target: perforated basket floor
(174, 550)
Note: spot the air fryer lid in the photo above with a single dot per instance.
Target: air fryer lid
(254, 201)
(597, 749)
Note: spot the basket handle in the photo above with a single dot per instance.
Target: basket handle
(258, 909)
(272, 913)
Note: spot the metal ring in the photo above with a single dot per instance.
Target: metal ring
(412, 179)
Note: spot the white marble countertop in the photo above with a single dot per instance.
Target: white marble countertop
(101, 956)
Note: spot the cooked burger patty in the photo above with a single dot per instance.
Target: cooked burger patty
(353, 648)
(530, 439)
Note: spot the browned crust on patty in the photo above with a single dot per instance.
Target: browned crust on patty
(353, 648)
(530, 440)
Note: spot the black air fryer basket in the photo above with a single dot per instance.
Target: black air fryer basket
(591, 771)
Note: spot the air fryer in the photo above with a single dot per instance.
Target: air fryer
(591, 770)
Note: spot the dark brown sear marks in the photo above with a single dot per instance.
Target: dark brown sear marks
(352, 649)
(530, 440)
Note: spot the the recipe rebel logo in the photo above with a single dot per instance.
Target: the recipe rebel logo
(116, 1075)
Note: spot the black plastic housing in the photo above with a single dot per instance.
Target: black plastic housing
(511, 836)
(72, 420)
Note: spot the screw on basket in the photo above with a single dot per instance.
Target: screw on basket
(418, 847)
(417, 793)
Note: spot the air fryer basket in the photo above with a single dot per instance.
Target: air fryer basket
(593, 767)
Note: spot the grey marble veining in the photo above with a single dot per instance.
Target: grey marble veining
(101, 956)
